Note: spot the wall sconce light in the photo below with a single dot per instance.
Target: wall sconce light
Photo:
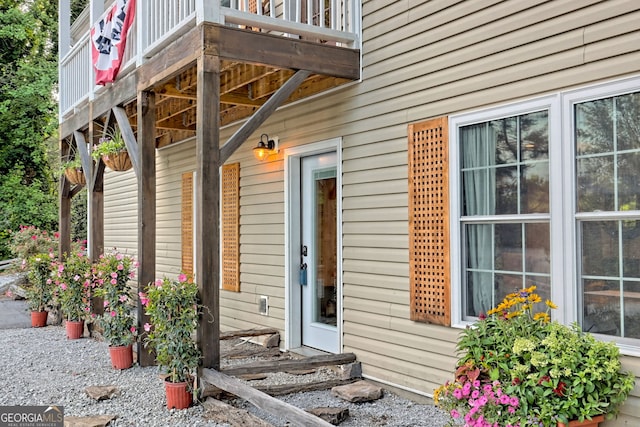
(266, 147)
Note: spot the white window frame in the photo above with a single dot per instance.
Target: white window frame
(562, 200)
(549, 103)
(628, 346)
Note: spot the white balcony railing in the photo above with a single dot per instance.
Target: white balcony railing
(160, 21)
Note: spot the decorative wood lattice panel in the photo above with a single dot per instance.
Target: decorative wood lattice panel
(231, 227)
(429, 222)
(187, 222)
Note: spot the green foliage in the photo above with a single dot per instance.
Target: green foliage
(111, 275)
(557, 373)
(28, 74)
(172, 306)
(79, 217)
(72, 278)
(39, 290)
(113, 143)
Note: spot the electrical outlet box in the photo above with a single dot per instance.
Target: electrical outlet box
(263, 305)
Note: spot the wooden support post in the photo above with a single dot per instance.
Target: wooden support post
(64, 244)
(207, 265)
(146, 206)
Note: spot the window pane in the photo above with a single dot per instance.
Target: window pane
(479, 293)
(594, 127)
(479, 192)
(508, 247)
(631, 248)
(628, 114)
(477, 145)
(534, 188)
(479, 238)
(543, 288)
(506, 190)
(534, 136)
(595, 184)
(600, 249)
(601, 313)
(537, 256)
(631, 309)
(506, 284)
(628, 181)
(505, 131)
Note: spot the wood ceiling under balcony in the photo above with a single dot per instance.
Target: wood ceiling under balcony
(253, 66)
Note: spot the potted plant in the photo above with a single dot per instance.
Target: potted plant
(111, 275)
(39, 291)
(517, 368)
(113, 151)
(72, 169)
(72, 278)
(172, 306)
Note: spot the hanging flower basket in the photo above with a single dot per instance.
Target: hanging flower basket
(75, 176)
(118, 162)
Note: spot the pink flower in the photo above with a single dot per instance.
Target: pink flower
(457, 393)
(114, 282)
(511, 410)
(114, 275)
(136, 264)
(120, 267)
(60, 268)
(113, 314)
(476, 383)
(147, 327)
(63, 286)
(34, 237)
(182, 278)
(56, 235)
(119, 257)
(455, 414)
(514, 401)
(106, 303)
(76, 277)
(48, 281)
(133, 329)
(475, 394)
(123, 298)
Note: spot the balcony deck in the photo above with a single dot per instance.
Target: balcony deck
(260, 45)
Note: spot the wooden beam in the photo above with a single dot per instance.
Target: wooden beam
(85, 158)
(95, 196)
(129, 138)
(281, 52)
(291, 364)
(146, 207)
(207, 260)
(263, 113)
(282, 389)
(262, 400)
(247, 333)
(237, 99)
(168, 89)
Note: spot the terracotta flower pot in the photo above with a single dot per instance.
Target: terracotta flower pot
(39, 319)
(121, 356)
(75, 329)
(118, 162)
(593, 422)
(178, 396)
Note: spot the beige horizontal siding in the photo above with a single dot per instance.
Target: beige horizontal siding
(421, 59)
(121, 211)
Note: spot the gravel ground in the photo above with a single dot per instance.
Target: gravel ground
(41, 367)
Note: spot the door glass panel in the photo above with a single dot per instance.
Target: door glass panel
(325, 209)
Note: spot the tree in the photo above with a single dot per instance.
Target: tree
(28, 75)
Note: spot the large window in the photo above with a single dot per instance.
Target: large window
(505, 179)
(607, 186)
(547, 193)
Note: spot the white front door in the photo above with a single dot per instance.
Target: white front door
(319, 261)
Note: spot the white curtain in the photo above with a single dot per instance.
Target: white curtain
(478, 160)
